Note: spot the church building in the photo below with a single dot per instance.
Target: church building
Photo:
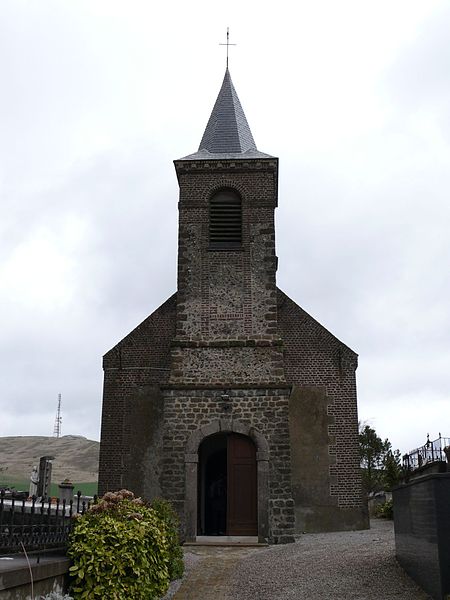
(230, 400)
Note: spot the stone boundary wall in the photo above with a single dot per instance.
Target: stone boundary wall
(422, 532)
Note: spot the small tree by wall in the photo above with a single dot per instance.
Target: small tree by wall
(380, 464)
(392, 469)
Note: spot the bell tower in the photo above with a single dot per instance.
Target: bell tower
(226, 328)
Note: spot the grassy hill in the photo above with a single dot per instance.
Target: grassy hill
(76, 458)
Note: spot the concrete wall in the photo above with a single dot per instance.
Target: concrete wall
(422, 532)
(49, 575)
(428, 469)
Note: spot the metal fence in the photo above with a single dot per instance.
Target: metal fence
(37, 525)
(430, 452)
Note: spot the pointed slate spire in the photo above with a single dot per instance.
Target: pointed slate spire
(227, 130)
(227, 134)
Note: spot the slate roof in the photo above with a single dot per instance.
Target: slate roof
(227, 134)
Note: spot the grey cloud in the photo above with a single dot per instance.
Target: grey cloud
(419, 77)
(90, 127)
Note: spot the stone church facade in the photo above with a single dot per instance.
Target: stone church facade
(230, 400)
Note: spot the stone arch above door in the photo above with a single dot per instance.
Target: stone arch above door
(191, 480)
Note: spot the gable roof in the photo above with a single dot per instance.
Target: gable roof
(227, 134)
(293, 312)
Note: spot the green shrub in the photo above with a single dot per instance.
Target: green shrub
(385, 510)
(168, 515)
(120, 550)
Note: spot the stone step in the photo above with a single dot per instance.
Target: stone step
(226, 540)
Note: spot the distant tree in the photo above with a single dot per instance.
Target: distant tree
(381, 466)
(371, 448)
(392, 469)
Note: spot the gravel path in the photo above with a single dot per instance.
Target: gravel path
(356, 565)
(340, 566)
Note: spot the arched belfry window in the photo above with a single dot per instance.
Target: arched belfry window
(225, 220)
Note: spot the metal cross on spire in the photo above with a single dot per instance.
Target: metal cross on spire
(228, 43)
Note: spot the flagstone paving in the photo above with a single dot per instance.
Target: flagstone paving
(210, 578)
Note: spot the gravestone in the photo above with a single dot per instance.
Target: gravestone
(447, 455)
(66, 488)
(34, 481)
(45, 476)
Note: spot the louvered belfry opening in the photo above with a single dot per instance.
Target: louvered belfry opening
(225, 220)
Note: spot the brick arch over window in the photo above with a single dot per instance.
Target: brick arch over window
(191, 479)
(226, 183)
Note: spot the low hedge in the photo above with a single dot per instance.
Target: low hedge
(385, 510)
(169, 517)
(122, 548)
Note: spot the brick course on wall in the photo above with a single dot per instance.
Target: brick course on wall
(141, 359)
(314, 357)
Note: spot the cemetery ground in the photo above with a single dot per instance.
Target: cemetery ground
(356, 565)
(76, 458)
(87, 488)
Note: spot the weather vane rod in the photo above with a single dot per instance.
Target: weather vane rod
(228, 43)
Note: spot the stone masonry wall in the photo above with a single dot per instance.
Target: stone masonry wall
(227, 311)
(264, 409)
(228, 362)
(226, 338)
(227, 293)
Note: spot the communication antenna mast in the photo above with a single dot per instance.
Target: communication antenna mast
(58, 420)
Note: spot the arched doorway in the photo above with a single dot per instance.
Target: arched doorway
(191, 464)
(227, 486)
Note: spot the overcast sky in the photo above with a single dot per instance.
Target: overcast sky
(98, 97)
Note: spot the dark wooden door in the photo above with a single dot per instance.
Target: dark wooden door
(241, 492)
